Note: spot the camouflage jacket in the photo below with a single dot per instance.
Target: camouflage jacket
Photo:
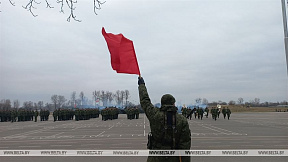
(160, 139)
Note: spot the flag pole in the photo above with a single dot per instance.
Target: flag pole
(284, 13)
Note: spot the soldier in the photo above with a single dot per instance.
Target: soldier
(137, 113)
(117, 112)
(169, 130)
(55, 114)
(126, 111)
(129, 113)
(97, 113)
(102, 114)
(224, 112)
(218, 112)
(41, 115)
(188, 113)
(201, 113)
(77, 114)
(198, 112)
(184, 111)
(207, 111)
(47, 115)
(214, 111)
(195, 112)
(228, 112)
(13, 115)
(133, 113)
(36, 115)
(1, 116)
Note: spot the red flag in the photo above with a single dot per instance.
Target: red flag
(123, 57)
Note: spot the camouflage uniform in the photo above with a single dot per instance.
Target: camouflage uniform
(201, 112)
(224, 112)
(36, 115)
(195, 112)
(55, 114)
(163, 137)
(77, 115)
(137, 113)
(13, 115)
(228, 112)
(198, 112)
(214, 113)
(184, 111)
(189, 111)
(207, 111)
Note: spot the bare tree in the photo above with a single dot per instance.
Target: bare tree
(198, 100)
(81, 95)
(48, 106)
(31, 6)
(109, 97)
(257, 101)
(35, 106)
(231, 102)
(118, 97)
(96, 96)
(240, 100)
(16, 104)
(122, 96)
(103, 98)
(28, 105)
(5, 104)
(126, 96)
(40, 104)
(205, 101)
(54, 99)
(61, 100)
(73, 99)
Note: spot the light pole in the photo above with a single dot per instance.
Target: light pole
(284, 13)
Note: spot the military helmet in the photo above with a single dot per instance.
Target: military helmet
(167, 99)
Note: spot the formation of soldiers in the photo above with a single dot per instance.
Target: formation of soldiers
(199, 112)
(226, 111)
(86, 114)
(63, 114)
(132, 113)
(44, 115)
(216, 112)
(80, 114)
(23, 115)
(188, 112)
(109, 113)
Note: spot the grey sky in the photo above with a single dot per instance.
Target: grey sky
(218, 50)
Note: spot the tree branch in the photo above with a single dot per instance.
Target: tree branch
(70, 3)
(71, 10)
(12, 3)
(48, 5)
(97, 5)
(29, 6)
(62, 4)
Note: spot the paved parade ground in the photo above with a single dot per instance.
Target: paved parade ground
(242, 131)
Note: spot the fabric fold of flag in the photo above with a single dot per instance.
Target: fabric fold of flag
(123, 57)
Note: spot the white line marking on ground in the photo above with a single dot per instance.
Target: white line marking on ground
(60, 145)
(29, 146)
(100, 133)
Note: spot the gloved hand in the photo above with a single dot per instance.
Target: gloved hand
(140, 81)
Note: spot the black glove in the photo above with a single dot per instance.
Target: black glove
(140, 81)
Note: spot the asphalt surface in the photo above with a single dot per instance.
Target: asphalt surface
(242, 131)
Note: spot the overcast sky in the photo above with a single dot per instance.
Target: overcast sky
(218, 50)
